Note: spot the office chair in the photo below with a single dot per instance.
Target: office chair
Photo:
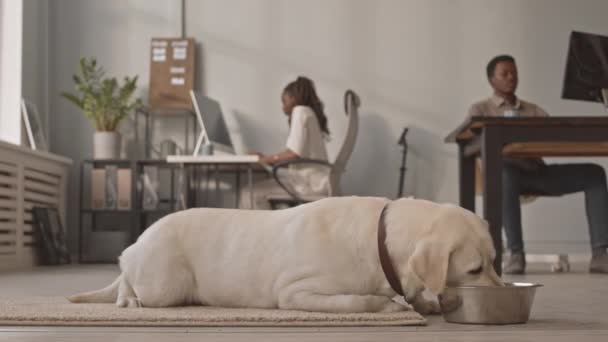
(351, 109)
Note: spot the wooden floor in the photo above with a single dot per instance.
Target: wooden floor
(571, 307)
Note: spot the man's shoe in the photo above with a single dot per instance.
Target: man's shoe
(599, 263)
(515, 264)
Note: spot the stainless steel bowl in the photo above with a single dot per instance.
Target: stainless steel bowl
(510, 304)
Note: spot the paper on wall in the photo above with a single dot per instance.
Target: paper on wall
(179, 53)
(178, 81)
(159, 58)
(159, 43)
(177, 70)
(179, 43)
(159, 54)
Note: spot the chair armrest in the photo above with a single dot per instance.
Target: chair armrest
(300, 161)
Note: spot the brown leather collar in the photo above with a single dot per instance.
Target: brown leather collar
(385, 259)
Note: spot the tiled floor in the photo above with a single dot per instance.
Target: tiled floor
(570, 307)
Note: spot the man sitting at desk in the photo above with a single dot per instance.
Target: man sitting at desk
(533, 176)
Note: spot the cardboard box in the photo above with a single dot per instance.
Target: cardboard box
(124, 189)
(98, 189)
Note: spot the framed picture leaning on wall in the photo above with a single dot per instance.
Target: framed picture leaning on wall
(34, 127)
(50, 237)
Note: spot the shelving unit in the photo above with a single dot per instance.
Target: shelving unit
(125, 224)
(151, 114)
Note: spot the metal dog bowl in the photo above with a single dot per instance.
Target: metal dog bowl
(510, 304)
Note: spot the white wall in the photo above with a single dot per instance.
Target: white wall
(118, 34)
(416, 63)
(35, 60)
(1, 34)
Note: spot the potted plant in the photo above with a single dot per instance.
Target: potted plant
(105, 102)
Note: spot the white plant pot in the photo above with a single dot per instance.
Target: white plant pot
(106, 145)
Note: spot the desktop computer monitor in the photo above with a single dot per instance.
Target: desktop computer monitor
(586, 76)
(211, 121)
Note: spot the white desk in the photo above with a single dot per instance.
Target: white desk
(249, 161)
(215, 159)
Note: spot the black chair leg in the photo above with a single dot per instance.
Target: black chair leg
(276, 204)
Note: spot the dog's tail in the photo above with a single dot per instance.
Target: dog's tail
(106, 295)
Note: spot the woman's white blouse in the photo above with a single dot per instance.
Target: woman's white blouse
(307, 141)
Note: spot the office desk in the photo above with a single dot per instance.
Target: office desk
(224, 164)
(493, 138)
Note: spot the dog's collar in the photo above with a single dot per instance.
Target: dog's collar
(385, 259)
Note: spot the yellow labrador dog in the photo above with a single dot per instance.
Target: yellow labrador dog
(321, 256)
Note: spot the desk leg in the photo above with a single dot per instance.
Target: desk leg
(189, 172)
(173, 202)
(207, 186)
(250, 181)
(148, 143)
(195, 190)
(218, 194)
(491, 153)
(238, 187)
(80, 220)
(136, 206)
(466, 178)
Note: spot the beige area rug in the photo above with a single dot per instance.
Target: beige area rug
(58, 311)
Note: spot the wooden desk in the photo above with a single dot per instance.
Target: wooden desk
(492, 138)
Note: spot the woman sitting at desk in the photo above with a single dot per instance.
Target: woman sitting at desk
(307, 134)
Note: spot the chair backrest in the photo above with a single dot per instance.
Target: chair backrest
(351, 109)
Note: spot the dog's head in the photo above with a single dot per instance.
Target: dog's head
(454, 249)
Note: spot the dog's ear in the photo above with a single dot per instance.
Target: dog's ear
(429, 263)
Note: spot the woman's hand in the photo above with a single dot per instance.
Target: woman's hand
(264, 159)
(269, 160)
(279, 157)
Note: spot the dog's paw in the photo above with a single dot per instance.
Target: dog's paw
(427, 307)
(134, 303)
(128, 302)
(393, 307)
(122, 302)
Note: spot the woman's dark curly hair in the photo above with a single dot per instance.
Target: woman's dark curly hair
(304, 93)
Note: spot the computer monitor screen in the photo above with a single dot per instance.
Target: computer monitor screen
(586, 67)
(211, 120)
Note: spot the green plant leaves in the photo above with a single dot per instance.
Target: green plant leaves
(104, 100)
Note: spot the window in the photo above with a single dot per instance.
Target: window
(11, 27)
